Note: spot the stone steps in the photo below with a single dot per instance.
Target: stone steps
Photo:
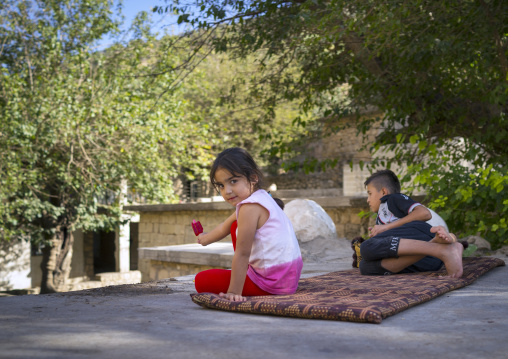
(105, 279)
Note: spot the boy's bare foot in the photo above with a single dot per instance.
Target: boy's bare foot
(442, 235)
(452, 258)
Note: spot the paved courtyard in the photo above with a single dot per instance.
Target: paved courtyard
(159, 320)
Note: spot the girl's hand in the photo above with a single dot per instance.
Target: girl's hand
(202, 240)
(233, 297)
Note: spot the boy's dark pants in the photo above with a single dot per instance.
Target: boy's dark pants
(386, 245)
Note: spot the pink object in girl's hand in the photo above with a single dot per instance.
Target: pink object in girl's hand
(197, 227)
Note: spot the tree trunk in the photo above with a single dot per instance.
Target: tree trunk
(56, 262)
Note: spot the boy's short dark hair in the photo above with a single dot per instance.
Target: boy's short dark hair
(386, 179)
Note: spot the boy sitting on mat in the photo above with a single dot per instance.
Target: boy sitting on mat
(401, 241)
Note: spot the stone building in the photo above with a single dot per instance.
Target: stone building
(112, 258)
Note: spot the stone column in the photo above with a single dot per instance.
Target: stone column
(123, 242)
(123, 234)
(122, 245)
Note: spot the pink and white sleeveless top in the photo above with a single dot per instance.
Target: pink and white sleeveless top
(275, 262)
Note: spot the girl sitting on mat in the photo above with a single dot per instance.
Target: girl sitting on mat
(267, 257)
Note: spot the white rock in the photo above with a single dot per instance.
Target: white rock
(316, 232)
(437, 220)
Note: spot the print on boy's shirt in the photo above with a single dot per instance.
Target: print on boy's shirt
(395, 206)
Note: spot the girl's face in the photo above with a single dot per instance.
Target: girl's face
(233, 188)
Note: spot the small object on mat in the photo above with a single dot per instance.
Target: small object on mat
(197, 227)
(355, 246)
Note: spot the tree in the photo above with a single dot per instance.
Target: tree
(438, 72)
(77, 127)
(216, 90)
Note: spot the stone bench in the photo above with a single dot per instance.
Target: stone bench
(186, 259)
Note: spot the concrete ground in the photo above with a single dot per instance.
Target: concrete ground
(159, 320)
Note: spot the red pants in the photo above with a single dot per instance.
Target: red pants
(217, 280)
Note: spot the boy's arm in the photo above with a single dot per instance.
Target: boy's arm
(218, 233)
(419, 213)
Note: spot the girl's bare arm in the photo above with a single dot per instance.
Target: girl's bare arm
(218, 233)
(248, 218)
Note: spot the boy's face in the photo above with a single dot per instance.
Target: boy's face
(374, 197)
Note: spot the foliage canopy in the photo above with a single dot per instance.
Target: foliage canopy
(78, 126)
(437, 71)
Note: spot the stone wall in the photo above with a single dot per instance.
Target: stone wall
(164, 225)
(332, 178)
(162, 270)
(344, 146)
(347, 221)
(354, 178)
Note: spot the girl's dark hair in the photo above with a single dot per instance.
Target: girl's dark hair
(240, 163)
(386, 179)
